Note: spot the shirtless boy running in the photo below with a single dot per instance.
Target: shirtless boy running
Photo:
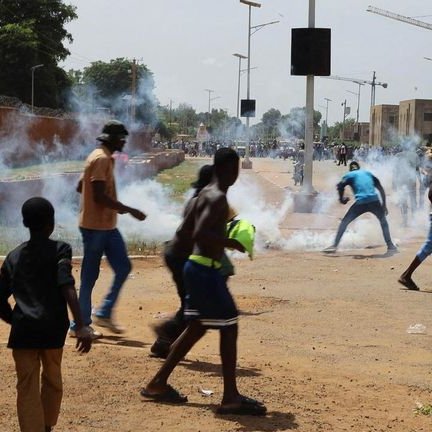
(209, 304)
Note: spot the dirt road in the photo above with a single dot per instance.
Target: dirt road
(323, 340)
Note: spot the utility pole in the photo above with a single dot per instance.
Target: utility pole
(209, 100)
(372, 83)
(373, 89)
(309, 132)
(240, 57)
(33, 68)
(345, 112)
(326, 120)
(133, 90)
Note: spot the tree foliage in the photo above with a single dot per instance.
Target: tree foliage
(334, 132)
(270, 121)
(110, 85)
(274, 125)
(31, 33)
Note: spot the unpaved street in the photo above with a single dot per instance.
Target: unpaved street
(323, 339)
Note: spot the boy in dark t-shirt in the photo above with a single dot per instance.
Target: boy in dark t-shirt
(38, 275)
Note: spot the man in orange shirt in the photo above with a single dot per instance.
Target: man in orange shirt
(97, 223)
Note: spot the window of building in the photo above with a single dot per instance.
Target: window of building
(392, 119)
(427, 116)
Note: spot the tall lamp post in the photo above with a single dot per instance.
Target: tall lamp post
(240, 58)
(374, 83)
(33, 68)
(209, 100)
(326, 128)
(346, 111)
(307, 187)
(358, 106)
(247, 162)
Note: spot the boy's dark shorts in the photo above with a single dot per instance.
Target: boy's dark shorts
(207, 297)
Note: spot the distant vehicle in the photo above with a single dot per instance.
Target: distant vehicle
(286, 152)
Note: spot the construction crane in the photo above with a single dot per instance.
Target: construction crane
(398, 17)
(361, 82)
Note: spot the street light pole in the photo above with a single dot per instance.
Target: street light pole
(326, 120)
(240, 57)
(247, 163)
(343, 121)
(209, 100)
(133, 90)
(33, 68)
(308, 155)
(374, 83)
(358, 105)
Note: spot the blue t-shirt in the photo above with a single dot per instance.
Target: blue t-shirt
(362, 184)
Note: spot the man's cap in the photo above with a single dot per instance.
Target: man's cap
(113, 129)
(205, 175)
(244, 232)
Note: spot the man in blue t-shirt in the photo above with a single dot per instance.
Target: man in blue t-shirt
(363, 183)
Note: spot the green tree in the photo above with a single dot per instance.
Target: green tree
(293, 124)
(111, 83)
(270, 121)
(334, 132)
(166, 131)
(186, 116)
(32, 33)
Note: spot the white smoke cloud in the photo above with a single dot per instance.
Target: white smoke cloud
(163, 214)
(248, 199)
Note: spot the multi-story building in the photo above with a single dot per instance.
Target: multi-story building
(415, 118)
(356, 133)
(384, 124)
(409, 118)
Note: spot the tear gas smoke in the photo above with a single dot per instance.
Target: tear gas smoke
(273, 221)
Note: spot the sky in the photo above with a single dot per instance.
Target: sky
(188, 45)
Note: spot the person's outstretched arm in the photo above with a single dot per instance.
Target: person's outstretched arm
(103, 199)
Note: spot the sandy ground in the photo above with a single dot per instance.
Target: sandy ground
(323, 341)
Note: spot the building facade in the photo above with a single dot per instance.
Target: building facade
(409, 118)
(415, 118)
(384, 124)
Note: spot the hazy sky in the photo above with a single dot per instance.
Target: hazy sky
(188, 45)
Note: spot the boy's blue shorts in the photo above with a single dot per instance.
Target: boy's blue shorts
(207, 297)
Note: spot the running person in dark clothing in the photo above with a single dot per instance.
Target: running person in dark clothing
(176, 253)
(363, 184)
(209, 304)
